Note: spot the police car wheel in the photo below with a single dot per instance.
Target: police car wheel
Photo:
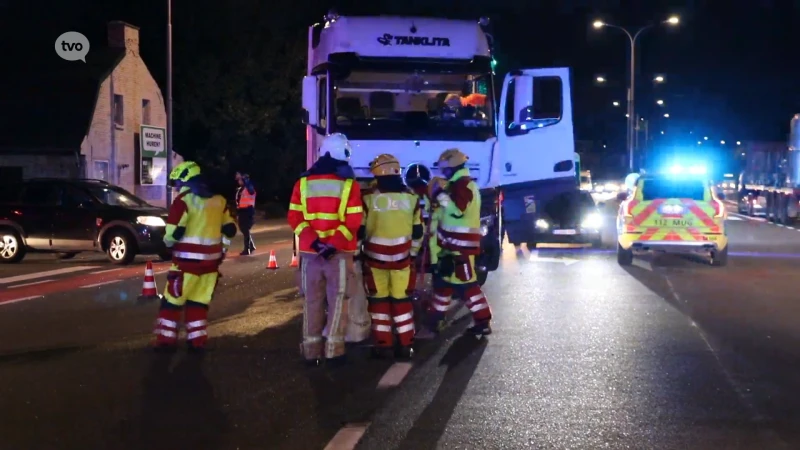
(624, 257)
(720, 258)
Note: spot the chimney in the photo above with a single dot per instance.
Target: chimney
(123, 35)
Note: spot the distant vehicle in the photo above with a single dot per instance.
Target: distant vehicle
(71, 216)
(770, 181)
(586, 180)
(672, 213)
(573, 219)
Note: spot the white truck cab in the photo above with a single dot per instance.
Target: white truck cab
(414, 87)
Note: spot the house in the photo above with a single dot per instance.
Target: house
(84, 120)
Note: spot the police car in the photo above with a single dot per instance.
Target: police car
(672, 212)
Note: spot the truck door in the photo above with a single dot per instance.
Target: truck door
(535, 133)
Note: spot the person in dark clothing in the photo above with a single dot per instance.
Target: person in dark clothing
(246, 210)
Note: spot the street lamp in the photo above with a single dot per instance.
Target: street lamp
(660, 102)
(615, 103)
(722, 142)
(600, 79)
(666, 115)
(659, 79)
(705, 138)
(633, 37)
(662, 132)
(738, 142)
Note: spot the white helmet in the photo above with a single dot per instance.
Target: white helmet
(337, 146)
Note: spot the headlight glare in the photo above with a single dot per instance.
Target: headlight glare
(592, 221)
(151, 221)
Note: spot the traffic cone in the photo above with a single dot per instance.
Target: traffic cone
(294, 262)
(149, 289)
(273, 261)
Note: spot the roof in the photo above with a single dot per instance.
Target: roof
(52, 100)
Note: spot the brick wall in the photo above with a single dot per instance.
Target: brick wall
(42, 166)
(133, 81)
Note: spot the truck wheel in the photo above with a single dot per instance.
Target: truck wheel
(624, 257)
(720, 258)
(12, 250)
(482, 275)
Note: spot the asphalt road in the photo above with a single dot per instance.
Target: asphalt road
(668, 353)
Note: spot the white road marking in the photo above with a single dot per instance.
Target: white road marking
(29, 284)
(347, 438)
(734, 218)
(17, 300)
(395, 375)
(161, 271)
(566, 261)
(33, 276)
(100, 284)
(104, 271)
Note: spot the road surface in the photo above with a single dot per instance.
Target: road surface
(668, 353)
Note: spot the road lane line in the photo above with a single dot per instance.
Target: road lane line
(29, 284)
(33, 276)
(347, 438)
(17, 300)
(394, 376)
(102, 283)
(104, 271)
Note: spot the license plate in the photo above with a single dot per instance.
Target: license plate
(564, 232)
(674, 223)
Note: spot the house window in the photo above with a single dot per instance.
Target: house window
(101, 170)
(119, 110)
(145, 112)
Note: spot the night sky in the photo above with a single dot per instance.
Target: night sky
(732, 71)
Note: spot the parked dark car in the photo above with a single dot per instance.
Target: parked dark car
(72, 216)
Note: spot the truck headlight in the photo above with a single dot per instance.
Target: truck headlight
(542, 224)
(151, 221)
(592, 221)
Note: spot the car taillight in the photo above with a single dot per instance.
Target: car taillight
(719, 209)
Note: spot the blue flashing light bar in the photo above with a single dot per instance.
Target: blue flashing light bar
(677, 169)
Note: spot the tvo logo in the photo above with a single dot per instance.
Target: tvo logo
(385, 202)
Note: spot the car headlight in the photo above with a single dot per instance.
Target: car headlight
(151, 221)
(542, 224)
(592, 221)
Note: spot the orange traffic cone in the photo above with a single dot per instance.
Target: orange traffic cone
(294, 261)
(273, 261)
(149, 289)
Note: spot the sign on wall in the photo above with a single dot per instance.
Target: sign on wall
(153, 151)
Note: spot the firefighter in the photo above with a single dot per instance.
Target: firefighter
(198, 232)
(246, 210)
(392, 235)
(325, 212)
(457, 242)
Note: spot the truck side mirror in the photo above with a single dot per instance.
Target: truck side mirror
(310, 101)
(622, 196)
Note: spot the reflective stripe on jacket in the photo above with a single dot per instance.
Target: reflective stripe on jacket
(198, 231)
(459, 224)
(246, 199)
(392, 228)
(328, 208)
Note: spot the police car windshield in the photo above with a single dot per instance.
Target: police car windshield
(655, 188)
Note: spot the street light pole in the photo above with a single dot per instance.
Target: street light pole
(169, 100)
(633, 38)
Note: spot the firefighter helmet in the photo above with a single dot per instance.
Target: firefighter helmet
(337, 146)
(184, 172)
(384, 164)
(451, 158)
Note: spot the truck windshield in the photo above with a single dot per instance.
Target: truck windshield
(419, 106)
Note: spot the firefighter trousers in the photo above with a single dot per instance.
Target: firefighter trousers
(462, 284)
(325, 283)
(192, 293)
(389, 295)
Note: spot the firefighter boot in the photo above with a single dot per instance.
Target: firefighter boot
(166, 329)
(404, 353)
(480, 329)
